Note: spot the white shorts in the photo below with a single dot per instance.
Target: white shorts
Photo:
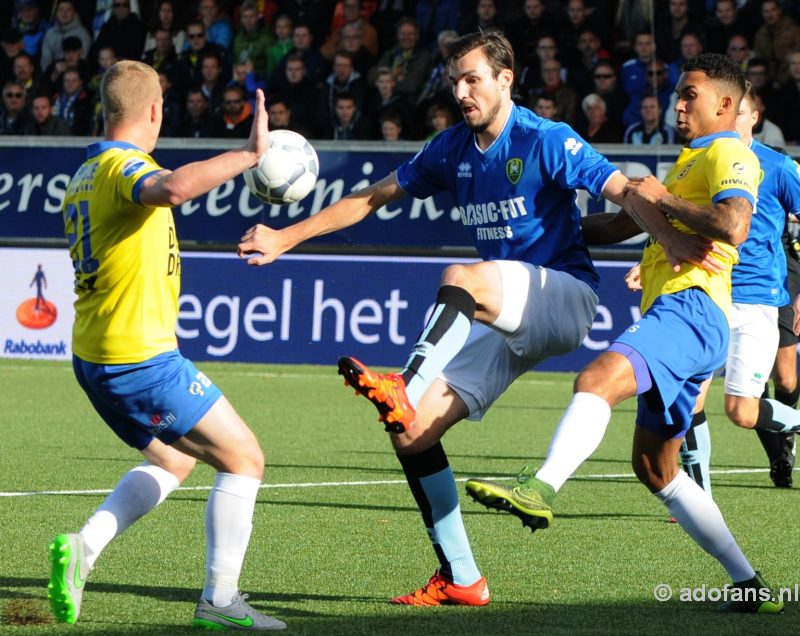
(752, 349)
(558, 313)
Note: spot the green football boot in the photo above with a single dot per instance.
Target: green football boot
(530, 500)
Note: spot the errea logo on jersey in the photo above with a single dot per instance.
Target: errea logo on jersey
(573, 145)
(464, 170)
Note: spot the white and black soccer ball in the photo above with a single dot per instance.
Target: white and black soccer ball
(286, 172)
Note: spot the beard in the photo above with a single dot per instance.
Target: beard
(481, 125)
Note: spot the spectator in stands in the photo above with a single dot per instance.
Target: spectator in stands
(634, 74)
(776, 38)
(124, 31)
(352, 42)
(598, 129)
(576, 22)
(315, 65)
(670, 28)
(726, 23)
(606, 86)
(71, 59)
(73, 104)
(106, 58)
(650, 129)
(437, 88)
(163, 18)
(386, 99)
(353, 16)
(759, 77)
(659, 85)
(408, 61)
(766, 131)
(787, 101)
(42, 121)
(483, 17)
(632, 18)
(252, 41)
(283, 43)
(739, 50)
(316, 14)
(162, 56)
(14, 117)
(565, 96)
(172, 109)
(187, 68)
(213, 83)
(391, 126)
(12, 46)
(24, 72)
(545, 106)
(524, 34)
(236, 118)
(279, 113)
(196, 122)
(219, 30)
(531, 76)
(590, 54)
(29, 22)
(348, 123)
(248, 80)
(344, 79)
(66, 24)
(691, 46)
(302, 96)
(438, 118)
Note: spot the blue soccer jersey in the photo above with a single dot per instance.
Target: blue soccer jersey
(517, 197)
(760, 276)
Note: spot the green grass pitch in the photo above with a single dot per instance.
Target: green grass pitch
(336, 531)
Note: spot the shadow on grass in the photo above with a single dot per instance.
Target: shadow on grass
(356, 615)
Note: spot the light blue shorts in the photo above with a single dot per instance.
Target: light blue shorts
(681, 339)
(162, 397)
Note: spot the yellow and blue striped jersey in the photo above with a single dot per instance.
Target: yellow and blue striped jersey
(125, 256)
(708, 170)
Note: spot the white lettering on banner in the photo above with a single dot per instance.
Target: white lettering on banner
(55, 194)
(189, 207)
(6, 181)
(28, 183)
(366, 311)
(218, 193)
(221, 319)
(245, 209)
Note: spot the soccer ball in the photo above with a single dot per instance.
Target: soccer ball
(286, 172)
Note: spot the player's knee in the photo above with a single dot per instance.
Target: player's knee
(181, 466)
(456, 275)
(654, 477)
(741, 414)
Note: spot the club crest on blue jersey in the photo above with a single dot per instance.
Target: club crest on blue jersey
(514, 170)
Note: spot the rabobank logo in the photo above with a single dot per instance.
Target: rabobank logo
(38, 312)
(25, 348)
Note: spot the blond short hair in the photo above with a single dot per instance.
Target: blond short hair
(128, 88)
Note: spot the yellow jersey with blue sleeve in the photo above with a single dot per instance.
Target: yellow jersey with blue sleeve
(708, 170)
(125, 256)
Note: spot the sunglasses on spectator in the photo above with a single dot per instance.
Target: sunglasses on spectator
(231, 102)
(15, 95)
(737, 48)
(194, 36)
(656, 72)
(603, 75)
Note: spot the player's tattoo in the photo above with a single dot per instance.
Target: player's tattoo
(728, 220)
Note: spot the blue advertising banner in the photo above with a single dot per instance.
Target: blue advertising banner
(300, 309)
(34, 175)
(314, 309)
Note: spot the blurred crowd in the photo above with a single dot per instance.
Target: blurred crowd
(373, 69)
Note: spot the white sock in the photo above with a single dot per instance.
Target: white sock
(578, 435)
(137, 493)
(229, 521)
(702, 520)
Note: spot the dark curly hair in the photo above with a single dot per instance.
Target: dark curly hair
(719, 68)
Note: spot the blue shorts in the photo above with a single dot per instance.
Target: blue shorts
(680, 341)
(162, 397)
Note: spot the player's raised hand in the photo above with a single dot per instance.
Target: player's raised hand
(633, 279)
(259, 132)
(261, 245)
(698, 250)
(648, 188)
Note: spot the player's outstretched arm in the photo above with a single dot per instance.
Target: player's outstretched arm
(263, 245)
(727, 220)
(195, 179)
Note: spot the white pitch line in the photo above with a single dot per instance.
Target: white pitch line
(341, 484)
